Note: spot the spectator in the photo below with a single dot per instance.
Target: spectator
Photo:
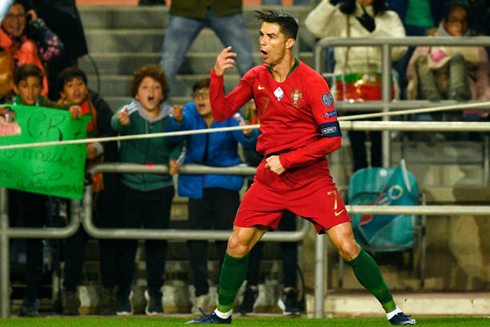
(289, 250)
(223, 17)
(25, 39)
(63, 18)
(213, 199)
(420, 18)
(358, 69)
(73, 83)
(30, 209)
(147, 198)
(456, 73)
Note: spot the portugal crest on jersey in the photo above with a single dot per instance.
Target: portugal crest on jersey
(296, 95)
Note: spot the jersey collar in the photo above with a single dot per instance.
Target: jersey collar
(296, 64)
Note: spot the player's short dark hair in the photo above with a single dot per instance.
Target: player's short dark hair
(154, 71)
(68, 74)
(22, 72)
(201, 84)
(288, 24)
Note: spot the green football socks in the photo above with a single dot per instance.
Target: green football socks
(368, 274)
(233, 274)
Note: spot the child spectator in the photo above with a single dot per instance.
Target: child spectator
(74, 90)
(213, 199)
(146, 198)
(30, 209)
(455, 73)
(433, 69)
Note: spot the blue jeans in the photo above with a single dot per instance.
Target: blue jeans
(182, 31)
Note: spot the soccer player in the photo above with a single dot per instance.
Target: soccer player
(299, 128)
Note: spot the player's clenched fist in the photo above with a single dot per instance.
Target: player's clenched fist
(273, 163)
(123, 117)
(178, 113)
(224, 61)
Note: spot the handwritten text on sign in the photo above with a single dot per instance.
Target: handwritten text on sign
(52, 170)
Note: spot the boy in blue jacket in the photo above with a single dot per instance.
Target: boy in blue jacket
(147, 198)
(213, 199)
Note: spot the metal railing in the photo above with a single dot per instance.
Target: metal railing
(172, 234)
(7, 233)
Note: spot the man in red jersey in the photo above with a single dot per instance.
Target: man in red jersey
(299, 128)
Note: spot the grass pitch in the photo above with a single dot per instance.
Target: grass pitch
(144, 321)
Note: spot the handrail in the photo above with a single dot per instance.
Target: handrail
(419, 126)
(7, 233)
(173, 234)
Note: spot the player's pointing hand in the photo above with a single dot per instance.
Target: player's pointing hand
(224, 61)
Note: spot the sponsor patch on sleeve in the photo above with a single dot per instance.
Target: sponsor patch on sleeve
(327, 99)
(331, 129)
(330, 114)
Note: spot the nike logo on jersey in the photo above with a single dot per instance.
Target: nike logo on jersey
(261, 87)
(339, 213)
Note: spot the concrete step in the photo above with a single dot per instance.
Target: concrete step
(155, 17)
(448, 164)
(118, 85)
(151, 40)
(417, 304)
(126, 63)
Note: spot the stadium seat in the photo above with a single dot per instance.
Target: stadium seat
(387, 233)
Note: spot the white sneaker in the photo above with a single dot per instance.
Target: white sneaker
(202, 301)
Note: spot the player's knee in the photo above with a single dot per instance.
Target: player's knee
(236, 248)
(349, 250)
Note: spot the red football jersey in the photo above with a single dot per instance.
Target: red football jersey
(297, 117)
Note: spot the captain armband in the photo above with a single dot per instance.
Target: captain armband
(330, 129)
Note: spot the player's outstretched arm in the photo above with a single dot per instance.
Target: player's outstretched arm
(224, 61)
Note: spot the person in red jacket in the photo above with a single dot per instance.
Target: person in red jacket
(299, 128)
(25, 39)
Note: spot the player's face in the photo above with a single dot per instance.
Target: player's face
(201, 99)
(75, 91)
(150, 94)
(15, 20)
(272, 43)
(457, 22)
(29, 90)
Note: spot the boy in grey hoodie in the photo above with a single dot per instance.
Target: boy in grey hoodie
(147, 198)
